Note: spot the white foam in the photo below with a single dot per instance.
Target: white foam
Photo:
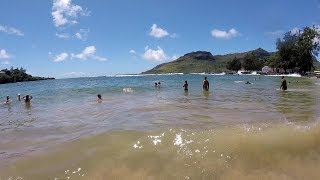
(171, 74)
(288, 75)
(218, 74)
(129, 75)
(199, 73)
(127, 90)
(253, 73)
(238, 81)
(178, 140)
(156, 141)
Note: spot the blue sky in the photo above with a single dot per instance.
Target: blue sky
(71, 38)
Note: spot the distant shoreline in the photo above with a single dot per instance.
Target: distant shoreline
(18, 75)
(171, 74)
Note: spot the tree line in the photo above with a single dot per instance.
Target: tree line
(17, 75)
(296, 52)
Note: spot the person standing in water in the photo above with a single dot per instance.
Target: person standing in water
(27, 98)
(8, 100)
(185, 85)
(19, 97)
(205, 85)
(99, 98)
(283, 85)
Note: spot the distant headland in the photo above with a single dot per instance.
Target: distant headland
(205, 62)
(18, 75)
(296, 53)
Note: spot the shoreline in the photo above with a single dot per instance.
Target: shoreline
(242, 144)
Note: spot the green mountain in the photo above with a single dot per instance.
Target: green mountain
(202, 61)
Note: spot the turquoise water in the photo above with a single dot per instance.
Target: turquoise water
(65, 111)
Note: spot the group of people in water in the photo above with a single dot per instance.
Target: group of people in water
(26, 99)
(205, 87)
(157, 85)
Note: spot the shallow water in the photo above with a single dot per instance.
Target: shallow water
(235, 131)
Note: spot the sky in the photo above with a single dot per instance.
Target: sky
(77, 38)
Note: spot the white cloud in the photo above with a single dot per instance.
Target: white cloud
(4, 54)
(174, 35)
(74, 74)
(80, 74)
(158, 32)
(61, 57)
(155, 55)
(5, 62)
(174, 57)
(88, 53)
(63, 36)
(11, 30)
(78, 35)
(220, 34)
(64, 12)
(132, 51)
(276, 33)
(82, 34)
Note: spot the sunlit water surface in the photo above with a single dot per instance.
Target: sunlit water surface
(234, 131)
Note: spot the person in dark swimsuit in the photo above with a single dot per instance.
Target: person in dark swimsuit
(205, 84)
(8, 100)
(283, 85)
(99, 98)
(27, 98)
(185, 85)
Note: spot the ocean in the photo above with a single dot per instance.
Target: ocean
(234, 131)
